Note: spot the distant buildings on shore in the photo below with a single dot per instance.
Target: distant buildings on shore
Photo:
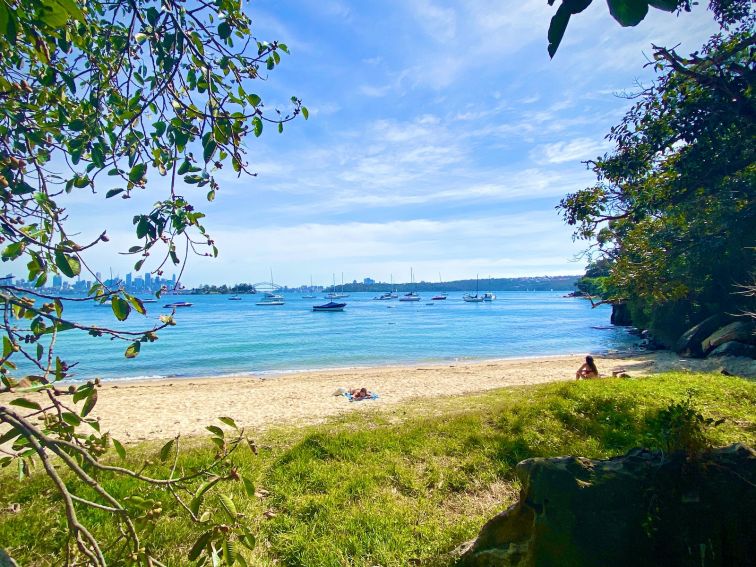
(138, 284)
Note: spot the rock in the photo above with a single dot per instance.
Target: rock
(689, 344)
(620, 315)
(734, 348)
(6, 560)
(741, 331)
(644, 508)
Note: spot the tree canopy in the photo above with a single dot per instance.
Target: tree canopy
(674, 206)
(103, 99)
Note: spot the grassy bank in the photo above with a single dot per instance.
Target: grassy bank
(402, 486)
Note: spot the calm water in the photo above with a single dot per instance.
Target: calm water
(221, 337)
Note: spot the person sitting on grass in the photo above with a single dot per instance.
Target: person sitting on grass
(588, 370)
(360, 393)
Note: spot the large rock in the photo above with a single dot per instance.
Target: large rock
(645, 508)
(742, 331)
(734, 348)
(689, 344)
(620, 315)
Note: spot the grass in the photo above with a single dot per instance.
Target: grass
(402, 486)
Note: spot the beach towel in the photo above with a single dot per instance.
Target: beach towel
(351, 398)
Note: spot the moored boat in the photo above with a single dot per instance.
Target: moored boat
(470, 298)
(271, 299)
(411, 296)
(177, 304)
(330, 306)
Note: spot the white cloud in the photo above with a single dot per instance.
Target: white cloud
(579, 149)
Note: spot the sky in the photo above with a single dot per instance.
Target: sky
(441, 138)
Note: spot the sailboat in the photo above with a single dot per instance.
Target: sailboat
(331, 305)
(411, 296)
(269, 298)
(439, 296)
(469, 298)
(309, 295)
(337, 294)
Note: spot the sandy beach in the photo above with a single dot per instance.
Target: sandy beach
(157, 409)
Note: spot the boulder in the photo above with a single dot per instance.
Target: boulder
(620, 315)
(734, 348)
(743, 331)
(689, 344)
(644, 508)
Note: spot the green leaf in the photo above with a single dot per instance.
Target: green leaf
(137, 172)
(143, 227)
(557, 28)
(305, 112)
(89, 404)
(628, 12)
(113, 192)
(12, 433)
(215, 430)
(209, 150)
(152, 15)
(247, 539)
(13, 251)
(229, 552)
(133, 350)
(165, 451)
(228, 421)
(224, 30)
(666, 5)
(137, 304)
(7, 346)
(24, 403)
(121, 308)
(69, 265)
(184, 167)
(228, 506)
(71, 418)
(257, 126)
(254, 100)
(119, 448)
(249, 486)
(199, 545)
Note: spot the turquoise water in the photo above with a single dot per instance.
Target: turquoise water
(221, 337)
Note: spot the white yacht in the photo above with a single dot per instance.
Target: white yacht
(271, 299)
(411, 296)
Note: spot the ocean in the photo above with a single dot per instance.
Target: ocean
(218, 337)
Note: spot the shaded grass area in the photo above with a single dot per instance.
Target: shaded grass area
(400, 486)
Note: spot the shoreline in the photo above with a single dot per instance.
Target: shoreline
(274, 374)
(141, 410)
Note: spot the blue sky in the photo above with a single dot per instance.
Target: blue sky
(441, 137)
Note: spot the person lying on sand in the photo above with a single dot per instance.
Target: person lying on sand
(588, 370)
(360, 393)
